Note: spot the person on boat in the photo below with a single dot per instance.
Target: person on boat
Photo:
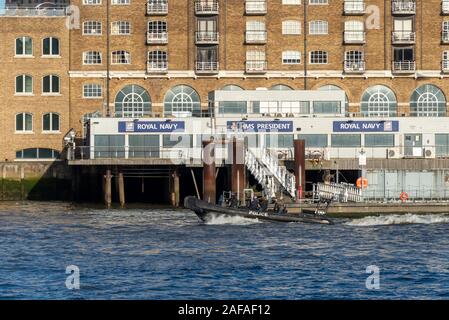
(234, 202)
(254, 205)
(263, 205)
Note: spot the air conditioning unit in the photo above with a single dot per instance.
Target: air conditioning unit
(393, 153)
(428, 153)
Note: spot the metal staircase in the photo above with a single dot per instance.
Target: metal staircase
(273, 177)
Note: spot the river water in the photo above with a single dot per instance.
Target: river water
(168, 254)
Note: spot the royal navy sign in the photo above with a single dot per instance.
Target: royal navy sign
(151, 126)
(366, 126)
(260, 126)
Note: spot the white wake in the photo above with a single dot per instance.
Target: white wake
(399, 219)
(223, 219)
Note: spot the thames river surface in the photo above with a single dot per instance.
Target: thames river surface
(169, 254)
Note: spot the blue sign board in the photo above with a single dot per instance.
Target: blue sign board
(366, 126)
(151, 126)
(260, 126)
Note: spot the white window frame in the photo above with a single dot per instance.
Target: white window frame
(87, 31)
(51, 122)
(291, 27)
(86, 53)
(92, 88)
(324, 54)
(51, 93)
(291, 57)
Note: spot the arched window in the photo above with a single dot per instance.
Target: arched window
(428, 101)
(38, 153)
(331, 87)
(50, 122)
(281, 87)
(24, 84)
(379, 101)
(232, 107)
(24, 46)
(182, 101)
(50, 84)
(24, 122)
(132, 101)
(50, 47)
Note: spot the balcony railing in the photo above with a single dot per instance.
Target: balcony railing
(354, 66)
(256, 66)
(403, 7)
(404, 66)
(354, 36)
(208, 7)
(157, 8)
(206, 37)
(445, 66)
(354, 7)
(256, 7)
(445, 7)
(206, 67)
(157, 37)
(445, 37)
(256, 36)
(33, 12)
(157, 66)
(403, 37)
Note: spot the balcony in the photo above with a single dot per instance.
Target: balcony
(404, 66)
(256, 66)
(445, 7)
(157, 37)
(258, 37)
(403, 37)
(157, 66)
(354, 37)
(256, 7)
(445, 37)
(206, 37)
(445, 66)
(157, 8)
(402, 7)
(354, 7)
(210, 67)
(206, 7)
(352, 66)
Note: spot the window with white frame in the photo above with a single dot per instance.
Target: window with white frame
(255, 55)
(91, 57)
(24, 46)
(157, 27)
(157, 59)
(50, 122)
(91, 2)
(318, 2)
(318, 27)
(318, 57)
(291, 27)
(24, 122)
(24, 84)
(445, 31)
(50, 84)
(50, 46)
(291, 2)
(291, 57)
(120, 2)
(120, 57)
(354, 30)
(354, 60)
(120, 28)
(92, 90)
(92, 28)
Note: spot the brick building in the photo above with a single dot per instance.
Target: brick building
(390, 57)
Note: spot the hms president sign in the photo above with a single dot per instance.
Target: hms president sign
(260, 126)
(366, 126)
(151, 126)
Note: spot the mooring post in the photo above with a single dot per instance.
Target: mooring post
(209, 181)
(174, 188)
(121, 189)
(238, 179)
(300, 167)
(108, 188)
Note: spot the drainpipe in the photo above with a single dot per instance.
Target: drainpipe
(305, 45)
(108, 111)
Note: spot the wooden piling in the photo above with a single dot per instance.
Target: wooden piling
(300, 167)
(209, 181)
(238, 179)
(121, 189)
(108, 188)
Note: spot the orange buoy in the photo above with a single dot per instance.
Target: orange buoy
(362, 183)
(403, 196)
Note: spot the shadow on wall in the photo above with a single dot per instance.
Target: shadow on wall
(35, 181)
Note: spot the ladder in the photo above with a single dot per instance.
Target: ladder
(273, 177)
